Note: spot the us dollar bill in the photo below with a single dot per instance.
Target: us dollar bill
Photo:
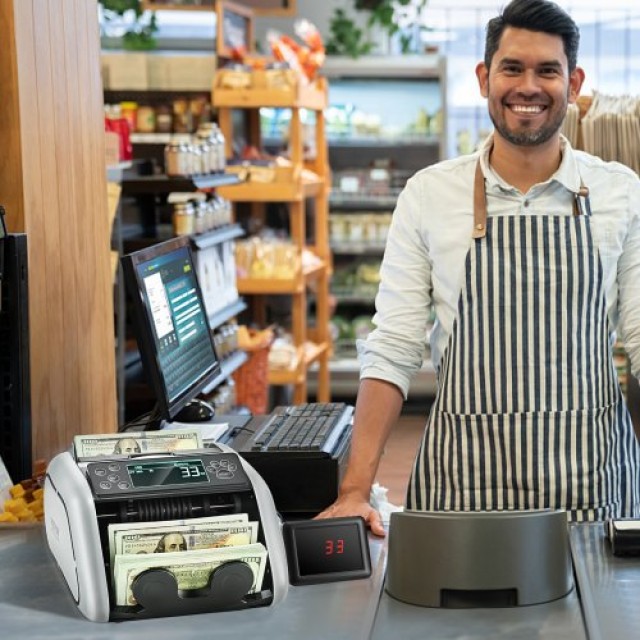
(192, 569)
(185, 538)
(164, 526)
(166, 441)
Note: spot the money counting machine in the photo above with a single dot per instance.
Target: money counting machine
(82, 497)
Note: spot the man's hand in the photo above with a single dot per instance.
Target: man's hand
(350, 506)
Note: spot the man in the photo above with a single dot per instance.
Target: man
(530, 253)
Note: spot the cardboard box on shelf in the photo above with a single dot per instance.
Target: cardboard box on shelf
(125, 70)
(156, 70)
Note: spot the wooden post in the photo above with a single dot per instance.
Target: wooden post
(53, 186)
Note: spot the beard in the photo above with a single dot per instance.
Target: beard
(524, 137)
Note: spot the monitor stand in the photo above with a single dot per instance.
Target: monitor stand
(196, 411)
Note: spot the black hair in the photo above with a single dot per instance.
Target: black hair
(534, 15)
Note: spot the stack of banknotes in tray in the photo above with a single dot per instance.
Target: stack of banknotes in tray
(190, 549)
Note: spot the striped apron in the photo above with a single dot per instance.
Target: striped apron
(529, 413)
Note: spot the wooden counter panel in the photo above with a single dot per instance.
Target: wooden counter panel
(53, 183)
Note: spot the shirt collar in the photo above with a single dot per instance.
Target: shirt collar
(567, 173)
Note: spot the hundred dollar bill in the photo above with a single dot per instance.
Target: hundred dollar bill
(233, 519)
(192, 569)
(187, 538)
(167, 441)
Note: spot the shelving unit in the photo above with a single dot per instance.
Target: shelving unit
(388, 122)
(132, 388)
(308, 181)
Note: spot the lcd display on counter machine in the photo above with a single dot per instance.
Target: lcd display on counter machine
(170, 472)
(327, 550)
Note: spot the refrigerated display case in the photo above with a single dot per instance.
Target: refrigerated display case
(385, 121)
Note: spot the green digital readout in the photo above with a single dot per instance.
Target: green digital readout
(169, 472)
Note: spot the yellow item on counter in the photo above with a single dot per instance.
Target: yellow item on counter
(7, 516)
(17, 491)
(15, 506)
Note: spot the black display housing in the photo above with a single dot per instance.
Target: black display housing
(327, 550)
(191, 351)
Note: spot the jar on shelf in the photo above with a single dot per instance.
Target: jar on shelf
(177, 158)
(220, 145)
(145, 119)
(183, 219)
(206, 135)
(201, 216)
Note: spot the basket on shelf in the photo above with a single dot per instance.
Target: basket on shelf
(252, 378)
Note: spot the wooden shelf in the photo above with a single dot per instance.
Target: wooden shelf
(313, 346)
(307, 355)
(296, 96)
(281, 285)
(307, 187)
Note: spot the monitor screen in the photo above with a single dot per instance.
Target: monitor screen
(172, 326)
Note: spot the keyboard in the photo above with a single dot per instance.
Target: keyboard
(314, 426)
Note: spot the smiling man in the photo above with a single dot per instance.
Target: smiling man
(529, 252)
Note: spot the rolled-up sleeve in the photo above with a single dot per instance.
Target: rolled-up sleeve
(629, 281)
(394, 350)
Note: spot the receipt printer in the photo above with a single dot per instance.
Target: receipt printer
(478, 559)
(82, 497)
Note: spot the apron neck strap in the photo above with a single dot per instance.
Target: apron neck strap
(480, 204)
(578, 208)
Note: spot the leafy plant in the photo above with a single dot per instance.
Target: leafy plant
(140, 34)
(384, 14)
(345, 37)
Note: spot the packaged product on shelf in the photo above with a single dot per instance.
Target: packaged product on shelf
(164, 120)
(145, 119)
(128, 111)
(182, 116)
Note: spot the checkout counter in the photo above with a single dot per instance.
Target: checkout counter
(35, 603)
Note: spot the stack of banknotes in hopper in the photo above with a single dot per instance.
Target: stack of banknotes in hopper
(192, 548)
(132, 443)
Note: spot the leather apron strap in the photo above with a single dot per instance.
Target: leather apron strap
(480, 204)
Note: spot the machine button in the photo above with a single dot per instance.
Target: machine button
(224, 474)
(100, 472)
(233, 466)
(123, 485)
(105, 485)
(113, 478)
(114, 467)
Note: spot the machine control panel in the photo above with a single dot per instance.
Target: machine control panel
(198, 473)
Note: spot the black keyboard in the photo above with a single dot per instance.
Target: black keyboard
(314, 426)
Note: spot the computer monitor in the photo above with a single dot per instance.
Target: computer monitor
(172, 328)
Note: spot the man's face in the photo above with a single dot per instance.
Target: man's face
(528, 86)
(174, 542)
